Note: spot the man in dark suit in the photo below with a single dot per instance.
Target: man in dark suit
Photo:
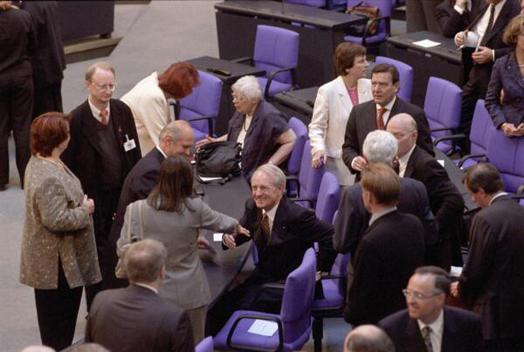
(135, 318)
(455, 15)
(487, 26)
(375, 114)
(353, 218)
(102, 150)
(175, 138)
(427, 324)
(282, 232)
(445, 200)
(492, 281)
(390, 250)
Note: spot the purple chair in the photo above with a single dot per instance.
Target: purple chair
(206, 345)
(311, 3)
(405, 72)
(384, 28)
(328, 197)
(442, 109)
(200, 108)
(308, 180)
(294, 321)
(295, 158)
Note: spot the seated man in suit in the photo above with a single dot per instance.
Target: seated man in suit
(135, 318)
(492, 281)
(390, 250)
(375, 114)
(282, 232)
(427, 324)
(368, 338)
(353, 218)
(175, 138)
(445, 200)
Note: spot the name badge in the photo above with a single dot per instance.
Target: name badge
(129, 144)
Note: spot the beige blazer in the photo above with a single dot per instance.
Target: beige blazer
(57, 226)
(186, 282)
(331, 113)
(150, 110)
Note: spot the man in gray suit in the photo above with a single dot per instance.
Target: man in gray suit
(135, 318)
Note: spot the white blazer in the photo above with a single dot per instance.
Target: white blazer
(150, 110)
(330, 115)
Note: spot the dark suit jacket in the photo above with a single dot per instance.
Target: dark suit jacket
(451, 22)
(353, 218)
(295, 229)
(260, 142)
(493, 278)
(137, 319)
(461, 331)
(362, 120)
(390, 251)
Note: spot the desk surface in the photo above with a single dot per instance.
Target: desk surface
(235, 70)
(290, 12)
(447, 49)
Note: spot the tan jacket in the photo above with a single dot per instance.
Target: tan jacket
(56, 225)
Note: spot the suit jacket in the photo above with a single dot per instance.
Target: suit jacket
(506, 76)
(330, 115)
(186, 282)
(57, 227)
(136, 319)
(260, 142)
(362, 120)
(294, 230)
(461, 331)
(445, 200)
(451, 22)
(353, 218)
(492, 279)
(390, 251)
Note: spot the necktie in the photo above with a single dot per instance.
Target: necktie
(380, 118)
(491, 17)
(426, 335)
(264, 227)
(103, 117)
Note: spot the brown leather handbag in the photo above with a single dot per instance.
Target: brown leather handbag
(369, 27)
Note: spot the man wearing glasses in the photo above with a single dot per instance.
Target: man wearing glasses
(427, 324)
(103, 149)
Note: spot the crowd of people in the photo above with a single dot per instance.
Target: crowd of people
(111, 207)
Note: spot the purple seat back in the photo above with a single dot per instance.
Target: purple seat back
(300, 129)
(203, 101)
(206, 345)
(507, 154)
(276, 48)
(312, 3)
(328, 197)
(405, 72)
(481, 127)
(308, 177)
(298, 298)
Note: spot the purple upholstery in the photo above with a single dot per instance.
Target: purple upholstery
(312, 3)
(309, 178)
(203, 101)
(328, 197)
(295, 314)
(442, 107)
(275, 49)
(385, 7)
(206, 345)
(300, 129)
(507, 154)
(405, 72)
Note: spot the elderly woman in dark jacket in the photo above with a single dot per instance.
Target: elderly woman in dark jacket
(505, 95)
(258, 126)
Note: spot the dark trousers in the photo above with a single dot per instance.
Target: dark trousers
(505, 345)
(48, 98)
(57, 310)
(16, 106)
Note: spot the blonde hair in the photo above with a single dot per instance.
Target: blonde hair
(513, 30)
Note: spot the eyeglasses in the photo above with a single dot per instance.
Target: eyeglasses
(417, 295)
(110, 87)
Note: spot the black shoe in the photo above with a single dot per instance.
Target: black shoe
(3, 188)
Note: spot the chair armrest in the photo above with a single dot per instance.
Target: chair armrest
(471, 156)
(243, 60)
(441, 129)
(259, 317)
(274, 285)
(520, 190)
(176, 108)
(451, 137)
(272, 76)
(209, 119)
(388, 27)
(293, 179)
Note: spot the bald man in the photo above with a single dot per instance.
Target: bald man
(445, 200)
(368, 338)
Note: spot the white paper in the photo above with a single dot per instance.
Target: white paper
(217, 237)
(441, 162)
(263, 328)
(208, 179)
(426, 43)
(455, 271)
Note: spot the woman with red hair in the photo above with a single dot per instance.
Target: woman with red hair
(148, 100)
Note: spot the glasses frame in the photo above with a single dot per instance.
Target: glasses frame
(110, 87)
(419, 296)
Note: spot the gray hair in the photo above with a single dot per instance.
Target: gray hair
(175, 130)
(102, 65)
(143, 261)
(276, 174)
(380, 146)
(88, 347)
(248, 87)
(368, 338)
(38, 348)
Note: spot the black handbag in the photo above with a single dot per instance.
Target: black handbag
(219, 159)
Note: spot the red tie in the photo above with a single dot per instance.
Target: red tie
(103, 117)
(380, 118)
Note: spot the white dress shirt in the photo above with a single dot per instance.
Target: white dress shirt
(460, 10)
(244, 129)
(376, 216)
(146, 286)
(437, 327)
(388, 108)
(482, 25)
(96, 112)
(403, 162)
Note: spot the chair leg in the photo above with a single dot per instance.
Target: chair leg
(318, 334)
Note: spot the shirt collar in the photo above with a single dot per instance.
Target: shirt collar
(271, 212)
(146, 286)
(437, 326)
(389, 105)
(161, 151)
(498, 195)
(376, 216)
(403, 162)
(95, 111)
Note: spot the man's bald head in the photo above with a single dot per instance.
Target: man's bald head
(177, 138)
(404, 127)
(368, 338)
